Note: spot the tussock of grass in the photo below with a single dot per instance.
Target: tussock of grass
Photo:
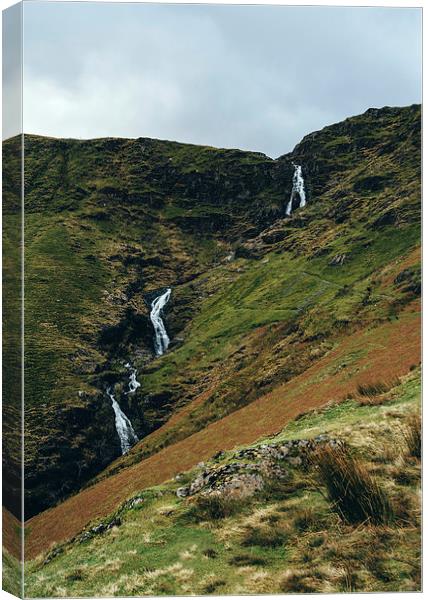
(265, 536)
(413, 436)
(214, 507)
(279, 489)
(375, 393)
(317, 541)
(247, 560)
(212, 586)
(297, 582)
(348, 580)
(405, 475)
(373, 400)
(77, 575)
(372, 389)
(376, 564)
(388, 454)
(407, 509)
(352, 491)
(306, 519)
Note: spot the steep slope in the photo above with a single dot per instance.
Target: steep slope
(257, 298)
(11, 324)
(366, 359)
(108, 223)
(200, 534)
(331, 269)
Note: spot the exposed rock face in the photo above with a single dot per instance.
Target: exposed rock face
(112, 222)
(271, 461)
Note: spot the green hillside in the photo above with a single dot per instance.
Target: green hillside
(263, 523)
(257, 297)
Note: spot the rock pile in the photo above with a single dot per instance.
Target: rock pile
(244, 478)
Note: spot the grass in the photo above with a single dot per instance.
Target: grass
(352, 491)
(278, 331)
(375, 389)
(213, 507)
(297, 582)
(103, 229)
(291, 543)
(266, 536)
(247, 425)
(247, 560)
(306, 520)
(349, 413)
(11, 574)
(413, 436)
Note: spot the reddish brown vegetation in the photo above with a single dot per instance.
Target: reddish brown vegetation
(11, 533)
(378, 360)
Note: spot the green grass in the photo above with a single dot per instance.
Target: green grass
(11, 574)
(275, 542)
(110, 220)
(278, 291)
(346, 414)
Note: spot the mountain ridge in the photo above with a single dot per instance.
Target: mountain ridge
(369, 111)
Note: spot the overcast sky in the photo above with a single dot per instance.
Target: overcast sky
(251, 77)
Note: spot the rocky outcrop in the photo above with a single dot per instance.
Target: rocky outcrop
(268, 461)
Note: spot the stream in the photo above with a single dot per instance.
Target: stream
(125, 431)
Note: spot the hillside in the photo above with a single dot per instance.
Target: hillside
(270, 315)
(258, 519)
(110, 223)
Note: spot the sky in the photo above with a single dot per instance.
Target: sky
(251, 77)
(11, 71)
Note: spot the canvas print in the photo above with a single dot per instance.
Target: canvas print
(211, 299)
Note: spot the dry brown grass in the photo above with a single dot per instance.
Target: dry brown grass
(266, 536)
(262, 417)
(348, 579)
(377, 393)
(298, 582)
(413, 436)
(353, 493)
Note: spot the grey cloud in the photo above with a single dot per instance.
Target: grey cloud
(11, 73)
(254, 77)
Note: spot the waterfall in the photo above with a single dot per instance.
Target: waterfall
(133, 383)
(124, 428)
(298, 190)
(161, 340)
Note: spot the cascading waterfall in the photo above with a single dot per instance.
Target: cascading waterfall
(133, 383)
(298, 190)
(124, 428)
(161, 340)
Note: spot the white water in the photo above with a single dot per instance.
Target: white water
(124, 428)
(161, 340)
(298, 189)
(133, 383)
